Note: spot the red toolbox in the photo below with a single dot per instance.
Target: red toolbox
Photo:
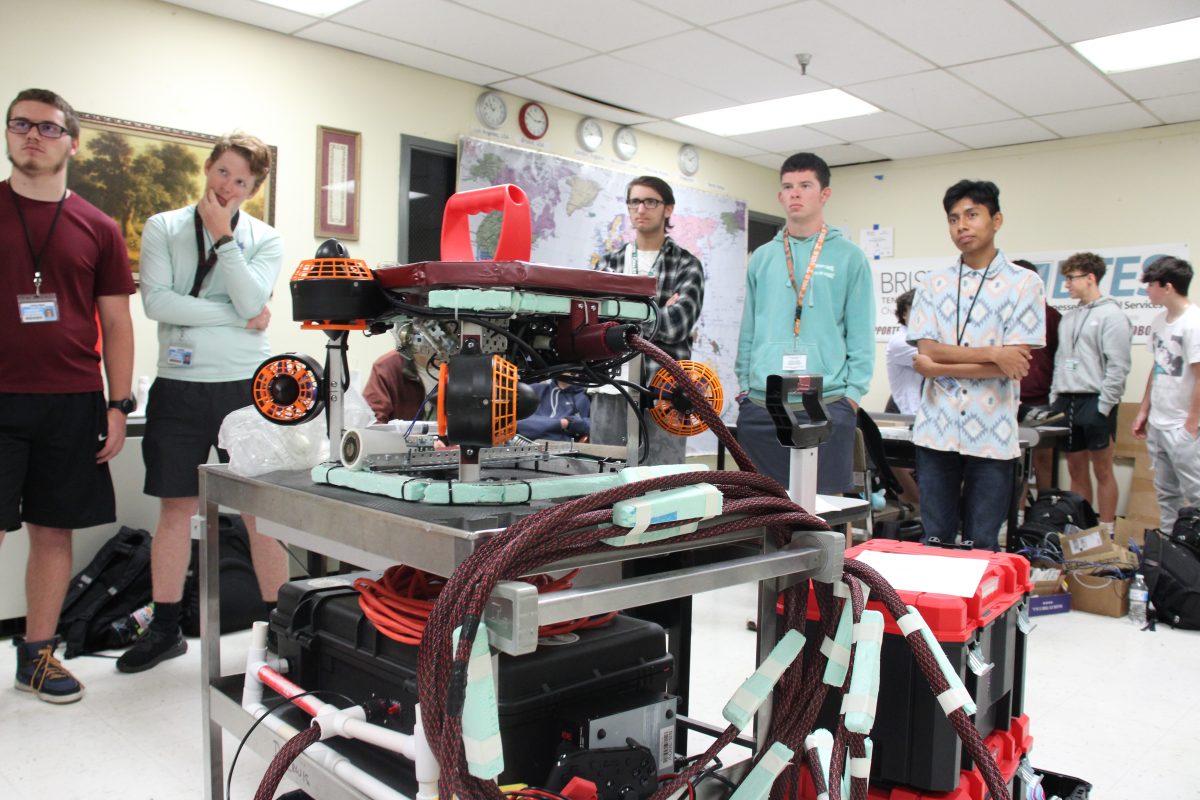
(915, 746)
(1008, 747)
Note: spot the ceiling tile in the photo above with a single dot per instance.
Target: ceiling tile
(838, 155)
(1020, 81)
(772, 160)
(607, 79)
(1076, 20)
(951, 33)
(682, 133)
(868, 126)
(787, 140)
(705, 12)
(933, 99)
(453, 29)
(401, 53)
(836, 44)
(1162, 81)
(1177, 108)
(257, 14)
(1124, 116)
(914, 145)
(622, 23)
(533, 90)
(998, 134)
(718, 65)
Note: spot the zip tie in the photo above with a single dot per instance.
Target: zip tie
(862, 696)
(956, 696)
(753, 692)
(758, 783)
(480, 713)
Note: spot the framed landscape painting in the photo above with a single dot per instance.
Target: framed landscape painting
(133, 170)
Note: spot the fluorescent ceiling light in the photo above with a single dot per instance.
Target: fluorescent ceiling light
(314, 8)
(784, 112)
(1148, 47)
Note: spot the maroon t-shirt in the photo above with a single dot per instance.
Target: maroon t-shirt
(84, 259)
(1035, 386)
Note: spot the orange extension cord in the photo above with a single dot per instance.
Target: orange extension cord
(399, 603)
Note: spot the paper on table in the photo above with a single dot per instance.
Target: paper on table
(958, 577)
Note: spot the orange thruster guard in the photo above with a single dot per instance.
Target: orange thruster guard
(673, 411)
(288, 389)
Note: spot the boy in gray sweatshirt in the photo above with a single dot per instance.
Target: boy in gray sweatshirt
(1090, 368)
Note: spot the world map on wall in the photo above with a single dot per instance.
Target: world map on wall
(579, 214)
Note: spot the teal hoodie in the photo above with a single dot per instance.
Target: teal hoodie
(837, 330)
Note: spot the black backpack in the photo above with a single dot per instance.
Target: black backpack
(1186, 530)
(241, 599)
(1055, 509)
(1172, 573)
(114, 585)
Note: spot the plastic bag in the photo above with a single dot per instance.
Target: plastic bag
(257, 446)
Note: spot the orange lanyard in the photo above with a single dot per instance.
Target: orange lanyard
(802, 289)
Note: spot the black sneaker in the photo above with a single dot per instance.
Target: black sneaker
(150, 650)
(39, 672)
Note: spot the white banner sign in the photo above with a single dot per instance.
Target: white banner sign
(894, 276)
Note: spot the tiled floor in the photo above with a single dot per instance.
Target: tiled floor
(1107, 703)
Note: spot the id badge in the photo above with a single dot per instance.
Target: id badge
(948, 385)
(38, 307)
(179, 355)
(795, 360)
(1072, 363)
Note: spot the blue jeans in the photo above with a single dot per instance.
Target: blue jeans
(956, 489)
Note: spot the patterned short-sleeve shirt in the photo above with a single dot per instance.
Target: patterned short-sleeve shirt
(1002, 305)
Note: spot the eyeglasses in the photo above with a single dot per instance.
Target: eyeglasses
(650, 203)
(1077, 276)
(22, 126)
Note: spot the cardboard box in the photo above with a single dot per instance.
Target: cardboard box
(1086, 545)
(1047, 578)
(1131, 529)
(1098, 594)
(1040, 606)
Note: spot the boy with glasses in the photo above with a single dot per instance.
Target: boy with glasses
(1169, 419)
(1090, 369)
(974, 325)
(65, 263)
(680, 288)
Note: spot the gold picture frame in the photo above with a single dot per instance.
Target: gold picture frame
(339, 172)
(133, 170)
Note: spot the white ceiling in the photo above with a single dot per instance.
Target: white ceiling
(949, 76)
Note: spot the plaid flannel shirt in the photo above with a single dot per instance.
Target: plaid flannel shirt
(679, 272)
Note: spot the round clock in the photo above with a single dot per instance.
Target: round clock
(689, 160)
(625, 143)
(534, 120)
(491, 109)
(590, 134)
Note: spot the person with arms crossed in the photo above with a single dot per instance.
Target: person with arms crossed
(1169, 418)
(65, 263)
(207, 273)
(974, 325)
(651, 202)
(1090, 369)
(810, 310)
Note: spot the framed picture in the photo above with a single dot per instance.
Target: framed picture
(338, 174)
(133, 170)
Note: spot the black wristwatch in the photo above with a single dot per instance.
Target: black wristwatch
(126, 406)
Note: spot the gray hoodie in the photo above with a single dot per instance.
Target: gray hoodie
(1093, 352)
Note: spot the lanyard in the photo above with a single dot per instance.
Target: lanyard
(802, 289)
(1075, 334)
(205, 265)
(36, 258)
(957, 304)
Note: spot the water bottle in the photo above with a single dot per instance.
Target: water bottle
(129, 629)
(1139, 597)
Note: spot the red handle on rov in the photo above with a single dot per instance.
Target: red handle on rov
(516, 227)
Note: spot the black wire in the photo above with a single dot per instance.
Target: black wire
(281, 704)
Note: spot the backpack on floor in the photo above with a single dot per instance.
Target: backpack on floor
(114, 585)
(1186, 530)
(241, 599)
(1055, 509)
(1172, 573)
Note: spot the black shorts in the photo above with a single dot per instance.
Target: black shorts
(1089, 429)
(48, 470)
(182, 422)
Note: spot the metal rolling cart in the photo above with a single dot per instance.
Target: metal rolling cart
(376, 532)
